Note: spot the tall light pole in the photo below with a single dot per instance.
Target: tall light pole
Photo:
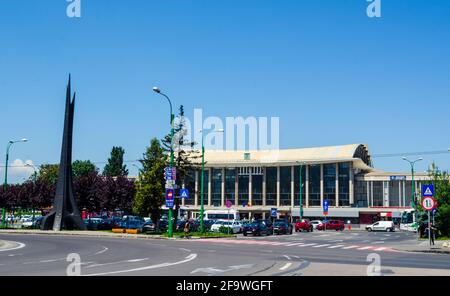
(172, 131)
(301, 189)
(34, 169)
(413, 197)
(202, 185)
(5, 185)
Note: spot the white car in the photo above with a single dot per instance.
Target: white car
(235, 227)
(381, 226)
(27, 222)
(316, 223)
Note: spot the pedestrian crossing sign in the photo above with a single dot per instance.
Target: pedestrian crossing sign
(184, 193)
(427, 190)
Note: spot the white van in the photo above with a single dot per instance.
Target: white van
(381, 226)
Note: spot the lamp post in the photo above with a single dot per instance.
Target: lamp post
(202, 184)
(172, 131)
(5, 185)
(34, 169)
(413, 197)
(301, 189)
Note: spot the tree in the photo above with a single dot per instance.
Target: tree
(48, 173)
(83, 168)
(115, 166)
(441, 181)
(118, 193)
(150, 184)
(186, 157)
(88, 192)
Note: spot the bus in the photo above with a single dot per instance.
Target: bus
(408, 221)
(221, 215)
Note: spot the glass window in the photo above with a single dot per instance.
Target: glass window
(329, 183)
(216, 187)
(243, 189)
(361, 193)
(344, 187)
(377, 193)
(230, 180)
(285, 186)
(314, 185)
(297, 185)
(394, 193)
(271, 186)
(257, 190)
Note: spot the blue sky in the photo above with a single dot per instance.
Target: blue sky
(330, 73)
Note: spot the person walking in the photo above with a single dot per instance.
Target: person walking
(432, 229)
(186, 229)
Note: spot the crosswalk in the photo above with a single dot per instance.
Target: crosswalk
(340, 246)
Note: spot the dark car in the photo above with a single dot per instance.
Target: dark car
(282, 228)
(148, 227)
(93, 223)
(332, 225)
(268, 223)
(303, 225)
(256, 229)
(134, 224)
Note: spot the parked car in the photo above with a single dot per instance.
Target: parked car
(92, 223)
(332, 225)
(268, 223)
(303, 225)
(381, 226)
(27, 222)
(316, 223)
(282, 228)
(148, 227)
(256, 228)
(235, 226)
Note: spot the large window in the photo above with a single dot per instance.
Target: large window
(230, 180)
(257, 190)
(329, 183)
(216, 188)
(205, 186)
(361, 193)
(314, 185)
(189, 184)
(285, 186)
(377, 193)
(243, 196)
(395, 191)
(271, 186)
(344, 187)
(297, 185)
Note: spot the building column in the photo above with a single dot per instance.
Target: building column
(404, 193)
(351, 186)
(307, 185)
(209, 186)
(371, 194)
(399, 193)
(321, 184)
(386, 194)
(368, 193)
(264, 215)
(223, 187)
(264, 186)
(292, 187)
(337, 184)
(250, 193)
(196, 189)
(236, 187)
(278, 186)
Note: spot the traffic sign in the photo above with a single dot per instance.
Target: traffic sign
(325, 206)
(170, 174)
(427, 190)
(184, 193)
(434, 211)
(398, 178)
(169, 198)
(229, 204)
(428, 203)
(273, 212)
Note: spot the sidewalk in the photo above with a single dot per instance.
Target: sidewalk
(423, 246)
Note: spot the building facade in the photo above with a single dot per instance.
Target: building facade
(257, 181)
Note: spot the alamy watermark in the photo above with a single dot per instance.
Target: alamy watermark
(74, 267)
(374, 8)
(374, 268)
(73, 8)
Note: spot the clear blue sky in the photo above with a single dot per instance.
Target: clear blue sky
(332, 75)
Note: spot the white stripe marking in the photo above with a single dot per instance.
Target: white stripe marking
(187, 259)
(20, 246)
(320, 246)
(350, 247)
(286, 266)
(287, 257)
(307, 245)
(294, 244)
(365, 248)
(102, 251)
(336, 246)
(380, 249)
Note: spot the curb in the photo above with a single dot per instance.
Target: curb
(426, 251)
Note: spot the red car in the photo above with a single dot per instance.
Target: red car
(332, 225)
(303, 224)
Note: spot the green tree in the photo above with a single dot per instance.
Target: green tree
(48, 173)
(115, 166)
(150, 184)
(441, 181)
(82, 168)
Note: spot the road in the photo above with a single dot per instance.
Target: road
(317, 253)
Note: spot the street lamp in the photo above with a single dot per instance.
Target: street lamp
(34, 168)
(172, 131)
(412, 163)
(202, 185)
(5, 185)
(301, 189)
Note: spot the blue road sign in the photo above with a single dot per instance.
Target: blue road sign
(169, 198)
(434, 211)
(273, 212)
(325, 206)
(170, 174)
(427, 190)
(184, 193)
(398, 178)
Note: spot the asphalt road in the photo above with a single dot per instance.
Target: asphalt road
(317, 253)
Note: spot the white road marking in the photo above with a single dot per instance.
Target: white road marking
(320, 246)
(350, 247)
(336, 246)
(102, 251)
(380, 249)
(183, 249)
(136, 260)
(48, 261)
(294, 244)
(20, 246)
(307, 245)
(187, 259)
(286, 266)
(287, 257)
(365, 248)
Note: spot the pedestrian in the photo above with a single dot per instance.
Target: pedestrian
(186, 229)
(431, 232)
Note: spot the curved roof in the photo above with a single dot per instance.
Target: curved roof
(356, 153)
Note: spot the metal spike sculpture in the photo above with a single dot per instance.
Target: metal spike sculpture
(65, 214)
